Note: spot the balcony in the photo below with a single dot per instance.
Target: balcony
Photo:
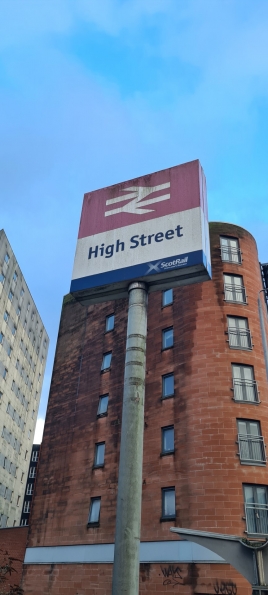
(235, 293)
(245, 390)
(229, 254)
(257, 519)
(251, 449)
(239, 338)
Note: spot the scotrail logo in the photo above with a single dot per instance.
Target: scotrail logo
(135, 197)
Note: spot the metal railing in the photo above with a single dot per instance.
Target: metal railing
(229, 254)
(235, 293)
(245, 390)
(239, 338)
(257, 519)
(251, 449)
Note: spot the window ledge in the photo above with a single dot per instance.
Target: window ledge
(167, 348)
(98, 466)
(107, 332)
(97, 524)
(167, 397)
(255, 463)
(165, 454)
(102, 414)
(166, 306)
(105, 370)
(247, 402)
(166, 519)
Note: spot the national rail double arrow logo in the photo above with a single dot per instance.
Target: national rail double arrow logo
(135, 197)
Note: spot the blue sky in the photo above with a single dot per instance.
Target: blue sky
(97, 92)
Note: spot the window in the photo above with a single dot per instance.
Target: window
(94, 512)
(168, 386)
(168, 440)
(106, 361)
(1, 337)
(45, 343)
(18, 500)
(22, 292)
(29, 489)
(99, 454)
(103, 405)
(167, 297)
(11, 296)
(168, 503)
(6, 316)
(32, 472)
(256, 506)
(234, 291)
(109, 326)
(239, 333)
(9, 350)
(7, 258)
(27, 506)
(14, 330)
(230, 251)
(33, 413)
(15, 277)
(24, 522)
(18, 311)
(4, 373)
(35, 456)
(1, 394)
(13, 385)
(250, 441)
(26, 454)
(2, 278)
(244, 386)
(17, 363)
(28, 306)
(167, 338)
(29, 434)
(25, 323)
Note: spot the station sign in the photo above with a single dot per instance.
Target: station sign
(153, 228)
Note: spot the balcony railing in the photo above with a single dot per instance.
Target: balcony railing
(239, 338)
(245, 390)
(235, 293)
(251, 449)
(257, 519)
(229, 254)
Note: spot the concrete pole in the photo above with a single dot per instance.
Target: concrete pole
(128, 510)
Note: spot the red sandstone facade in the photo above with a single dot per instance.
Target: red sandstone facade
(205, 469)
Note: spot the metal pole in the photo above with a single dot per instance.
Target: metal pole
(128, 510)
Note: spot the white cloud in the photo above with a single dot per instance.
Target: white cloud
(39, 431)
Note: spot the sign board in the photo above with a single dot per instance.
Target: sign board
(153, 229)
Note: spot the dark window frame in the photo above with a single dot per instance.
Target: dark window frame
(163, 492)
(98, 465)
(163, 294)
(165, 330)
(99, 414)
(102, 364)
(94, 523)
(168, 396)
(109, 330)
(164, 452)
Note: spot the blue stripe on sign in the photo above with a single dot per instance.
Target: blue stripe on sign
(181, 261)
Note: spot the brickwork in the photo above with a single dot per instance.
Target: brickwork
(205, 469)
(13, 540)
(96, 579)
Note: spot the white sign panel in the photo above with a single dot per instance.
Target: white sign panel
(153, 228)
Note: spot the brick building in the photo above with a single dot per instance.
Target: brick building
(205, 428)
